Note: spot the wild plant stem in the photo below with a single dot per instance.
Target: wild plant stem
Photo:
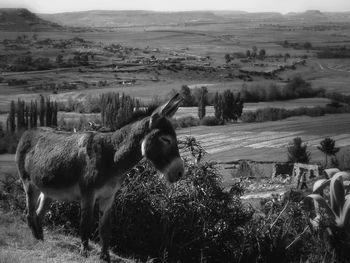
(297, 238)
(284, 209)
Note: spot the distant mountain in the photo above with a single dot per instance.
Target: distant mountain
(101, 18)
(250, 16)
(98, 18)
(20, 19)
(309, 16)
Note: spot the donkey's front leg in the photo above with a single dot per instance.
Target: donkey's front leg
(86, 220)
(106, 205)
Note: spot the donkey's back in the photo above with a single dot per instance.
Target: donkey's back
(52, 159)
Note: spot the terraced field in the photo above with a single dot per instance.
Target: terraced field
(268, 141)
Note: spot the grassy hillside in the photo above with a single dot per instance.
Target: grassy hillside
(18, 245)
(20, 19)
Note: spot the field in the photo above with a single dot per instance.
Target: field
(268, 141)
(213, 40)
(208, 42)
(7, 163)
(289, 105)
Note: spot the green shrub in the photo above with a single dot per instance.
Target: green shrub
(274, 114)
(210, 121)
(192, 219)
(8, 143)
(185, 122)
(12, 196)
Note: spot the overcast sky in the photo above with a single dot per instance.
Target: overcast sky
(283, 6)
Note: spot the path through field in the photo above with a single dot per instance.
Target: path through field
(268, 141)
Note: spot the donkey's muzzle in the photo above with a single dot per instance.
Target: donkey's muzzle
(175, 170)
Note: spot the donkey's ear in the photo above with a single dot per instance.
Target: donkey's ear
(170, 108)
(166, 110)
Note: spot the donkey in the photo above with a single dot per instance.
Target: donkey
(91, 166)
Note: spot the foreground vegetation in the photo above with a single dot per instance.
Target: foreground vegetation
(196, 220)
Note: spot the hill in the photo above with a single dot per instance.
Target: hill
(310, 16)
(20, 19)
(102, 18)
(127, 18)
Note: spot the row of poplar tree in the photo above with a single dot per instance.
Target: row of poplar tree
(23, 116)
(117, 111)
(227, 105)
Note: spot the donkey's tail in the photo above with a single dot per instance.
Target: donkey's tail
(24, 144)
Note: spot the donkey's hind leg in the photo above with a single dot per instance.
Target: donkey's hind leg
(32, 194)
(106, 207)
(86, 221)
(43, 204)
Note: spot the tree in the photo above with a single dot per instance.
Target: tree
(185, 92)
(33, 116)
(54, 113)
(21, 115)
(298, 88)
(202, 102)
(117, 111)
(59, 59)
(307, 46)
(218, 105)
(286, 57)
(238, 107)
(254, 51)
(42, 110)
(48, 112)
(327, 146)
(228, 101)
(232, 106)
(227, 58)
(248, 54)
(262, 53)
(227, 106)
(297, 151)
(12, 117)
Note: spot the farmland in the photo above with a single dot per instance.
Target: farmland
(268, 141)
(212, 40)
(150, 61)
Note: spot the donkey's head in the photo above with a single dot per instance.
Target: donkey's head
(160, 144)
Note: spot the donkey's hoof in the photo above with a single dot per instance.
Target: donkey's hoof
(104, 257)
